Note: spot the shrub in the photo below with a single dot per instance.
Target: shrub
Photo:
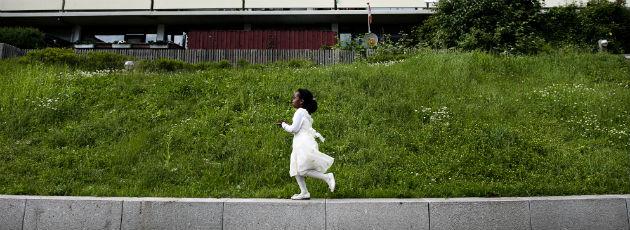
(385, 57)
(355, 44)
(300, 63)
(90, 61)
(224, 64)
(205, 66)
(102, 60)
(294, 63)
(53, 56)
(242, 63)
(25, 38)
(488, 25)
(390, 50)
(561, 25)
(576, 26)
(164, 65)
(601, 19)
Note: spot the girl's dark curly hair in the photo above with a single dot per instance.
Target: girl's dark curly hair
(310, 104)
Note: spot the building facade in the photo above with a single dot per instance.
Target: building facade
(142, 21)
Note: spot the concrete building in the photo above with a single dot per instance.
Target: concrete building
(140, 21)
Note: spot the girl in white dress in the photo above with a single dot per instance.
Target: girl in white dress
(306, 159)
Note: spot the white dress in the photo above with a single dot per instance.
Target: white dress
(305, 155)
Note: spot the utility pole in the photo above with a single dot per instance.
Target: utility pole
(369, 17)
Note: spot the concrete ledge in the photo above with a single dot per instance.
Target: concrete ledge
(274, 214)
(11, 213)
(475, 213)
(155, 213)
(72, 213)
(377, 214)
(573, 212)
(579, 213)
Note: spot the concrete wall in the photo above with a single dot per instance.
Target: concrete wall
(157, 213)
(11, 212)
(30, 5)
(584, 213)
(380, 3)
(290, 4)
(274, 214)
(197, 4)
(77, 5)
(480, 214)
(576, 212)
(377, 214)
(72, 213)
(108, 5)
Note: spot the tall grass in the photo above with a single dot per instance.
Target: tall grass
(434, 125)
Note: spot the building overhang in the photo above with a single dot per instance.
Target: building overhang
(202, 17)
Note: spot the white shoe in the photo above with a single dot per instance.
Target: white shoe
(301, 196)
(331, 182)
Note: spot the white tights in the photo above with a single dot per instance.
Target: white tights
(315, 174)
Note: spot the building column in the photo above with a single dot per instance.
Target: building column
(161, 32)
(335, 27)
(76, 34)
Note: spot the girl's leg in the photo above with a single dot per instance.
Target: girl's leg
(317, 174)
(302, 183)
(304, 195)
(328, 178)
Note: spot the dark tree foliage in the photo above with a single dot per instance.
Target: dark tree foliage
(497, 26)
(561, 26)
(521, 26)
(25, 38)
(601, 19)
(584, 26)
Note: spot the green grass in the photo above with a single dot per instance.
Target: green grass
(434, 125)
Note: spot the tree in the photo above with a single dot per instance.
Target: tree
(498, 26)
(601, 19)
(25, 38)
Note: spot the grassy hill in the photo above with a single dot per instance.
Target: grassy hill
(434, 125)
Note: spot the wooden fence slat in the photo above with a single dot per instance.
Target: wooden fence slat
(253, 56)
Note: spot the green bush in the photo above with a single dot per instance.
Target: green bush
(90, 61)
(102, 60)
(205, 66)
(300, 63)
(601, 19)
(242, 63)
(561, 25)
(584, 26)
(385, 57)
(164, 65)
(25, 38)
(224, 64)
(390, 50)
(292, 64)
(53, 56)
(488, 25)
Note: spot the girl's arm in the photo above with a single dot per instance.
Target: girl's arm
(297, 122)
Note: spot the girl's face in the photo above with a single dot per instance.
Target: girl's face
(297, 101)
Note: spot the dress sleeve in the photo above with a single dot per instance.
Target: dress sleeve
(297, 122)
